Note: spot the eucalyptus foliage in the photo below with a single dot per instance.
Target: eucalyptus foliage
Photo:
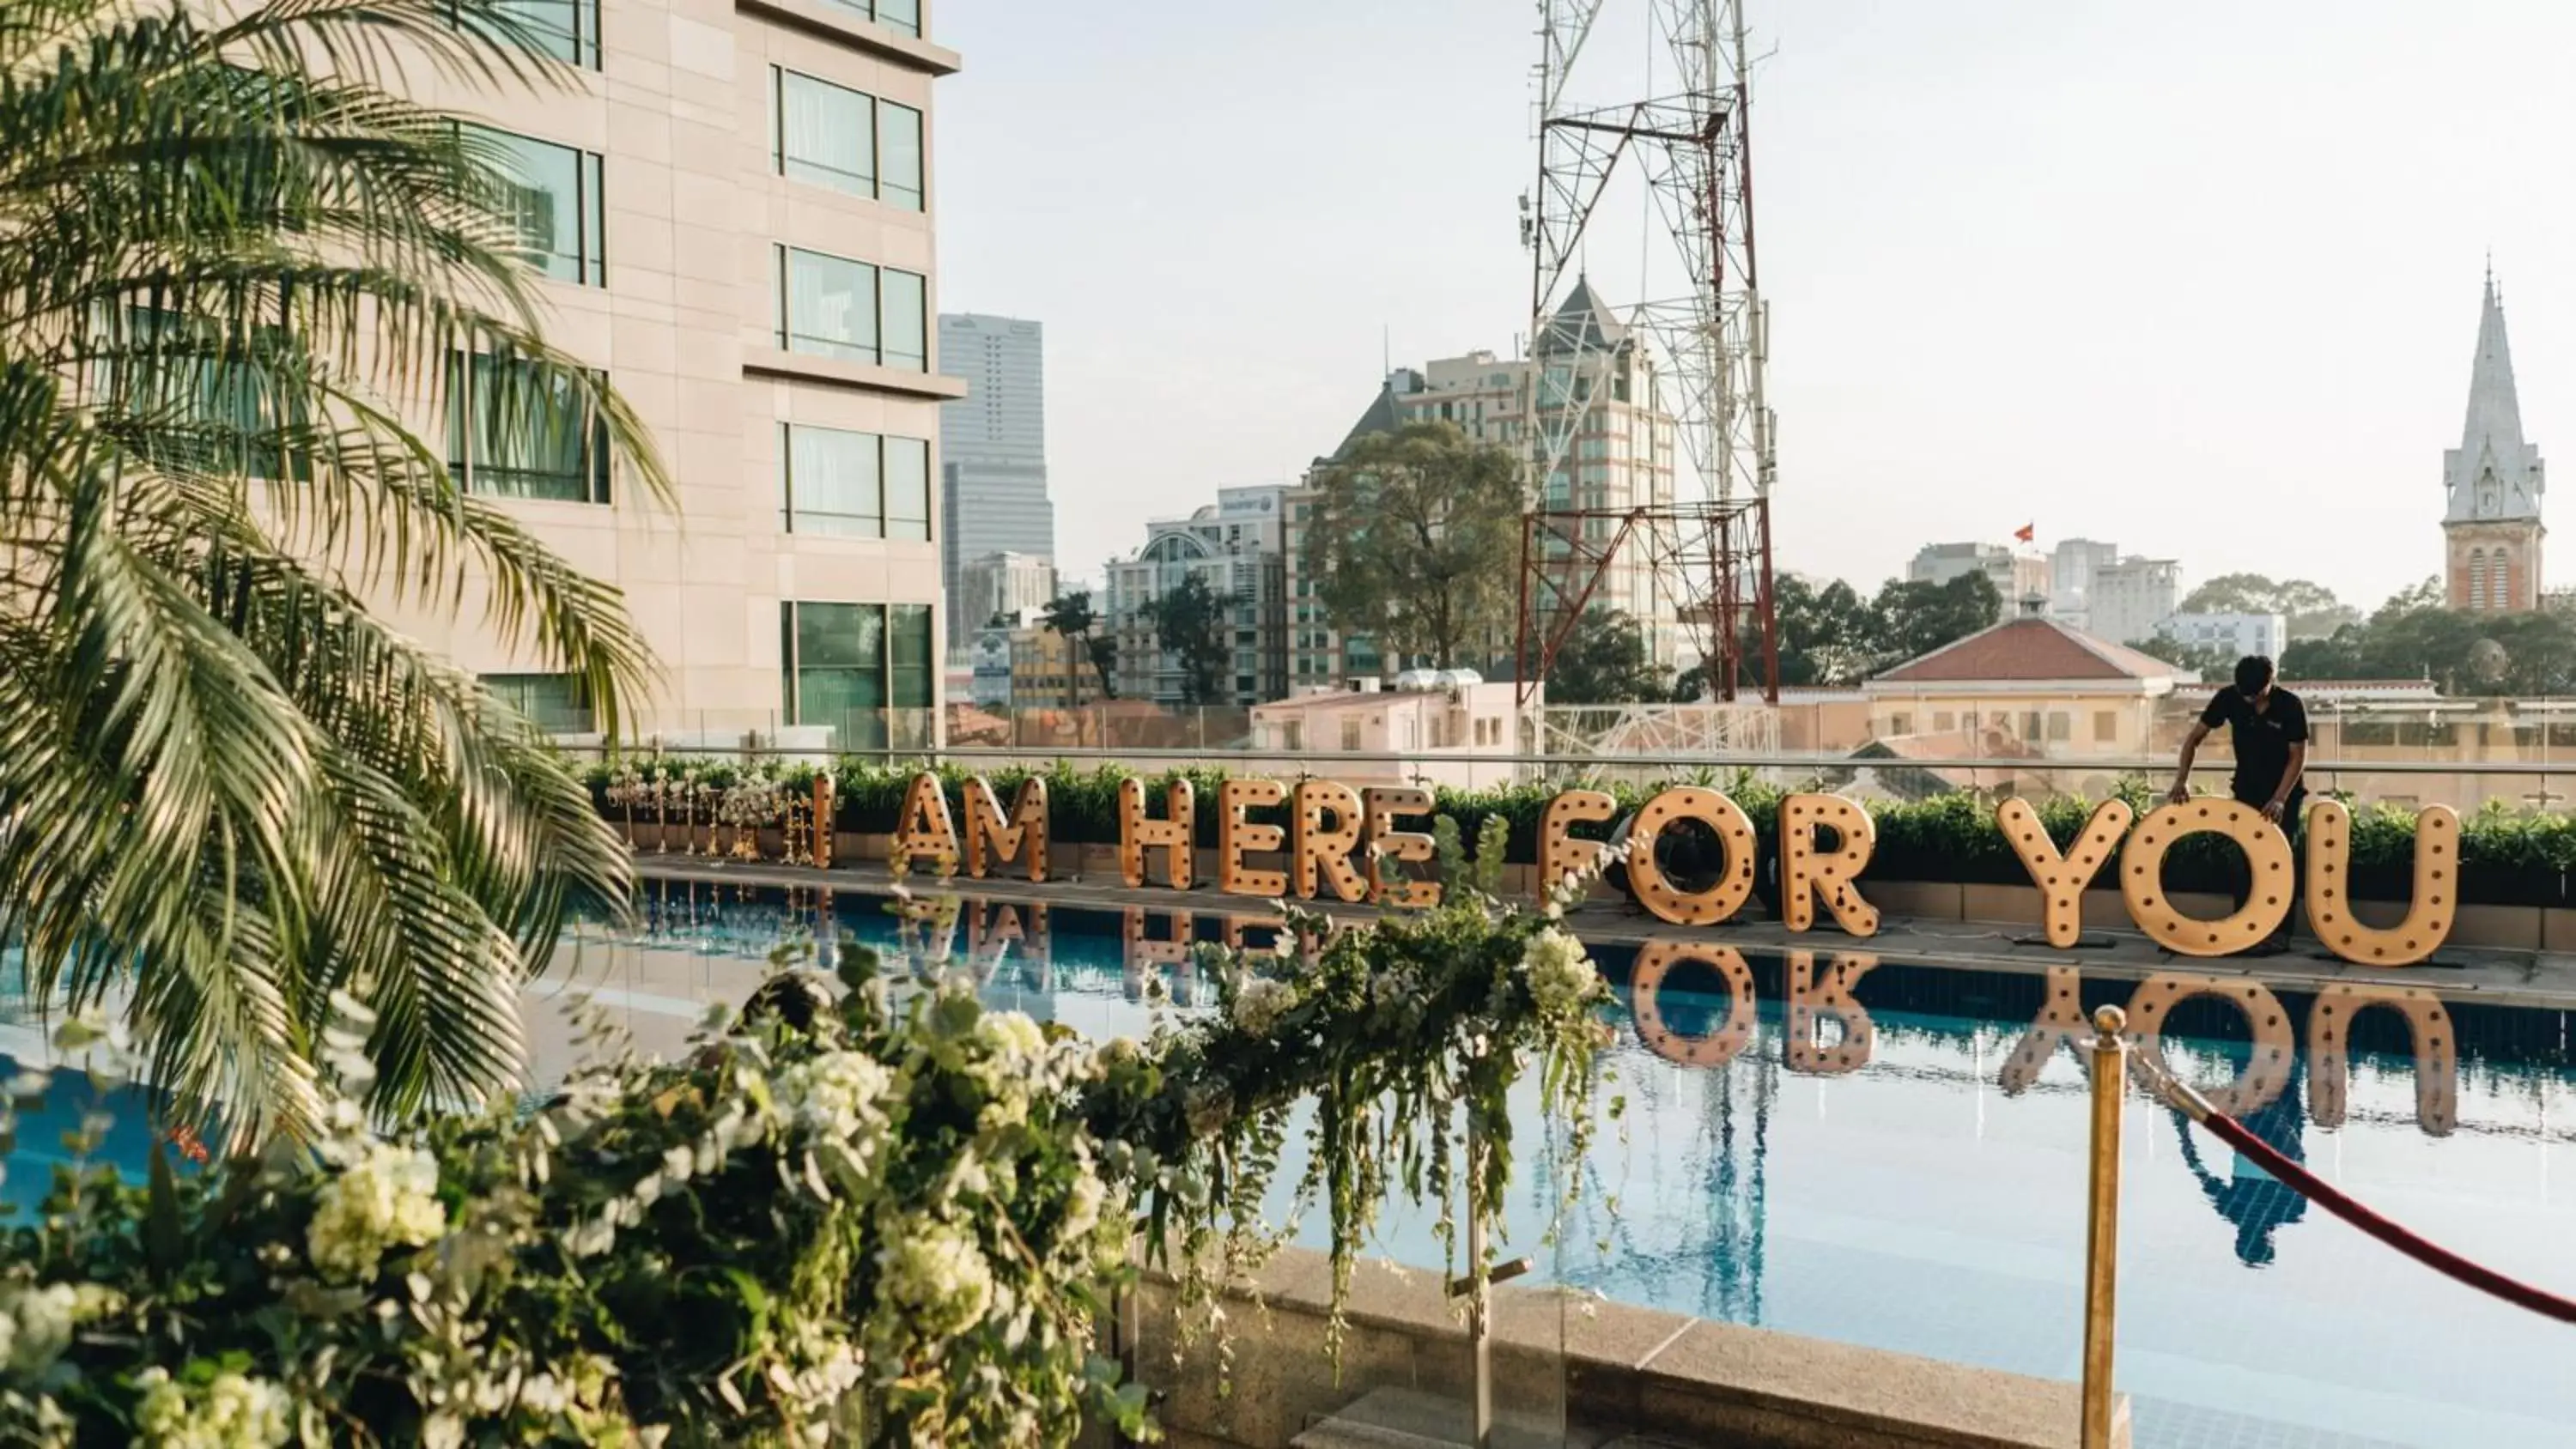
(867, 1211)
(238, 268)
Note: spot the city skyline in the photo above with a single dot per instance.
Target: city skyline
(2123, 275)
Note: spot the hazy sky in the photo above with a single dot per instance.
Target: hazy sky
(2197, 277)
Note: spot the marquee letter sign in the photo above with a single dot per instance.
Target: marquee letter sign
(1173, 834)
(1734, 831)
(1829, 993)
(2142, 877)
(1324, 851)
(2437, 1059)
(1561, 855)
(923, 828)
(1235, 835)
(2428, 915)
(1022, 833)
(1388, 847)
(2265, 1073)
(1806, 872)
(2062, 879)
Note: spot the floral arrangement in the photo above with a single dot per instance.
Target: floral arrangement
(865, 1210)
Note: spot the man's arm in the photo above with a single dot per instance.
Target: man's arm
(2289, 781)
(2191, 746)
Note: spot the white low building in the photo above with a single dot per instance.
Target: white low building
(1433, 728)
(2237, 634)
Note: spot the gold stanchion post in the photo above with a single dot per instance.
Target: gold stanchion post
(2102, 1230)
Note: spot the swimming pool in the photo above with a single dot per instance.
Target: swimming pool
(1883, 1163)
(1895, 1177)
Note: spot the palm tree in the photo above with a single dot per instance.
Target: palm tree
(238, 270)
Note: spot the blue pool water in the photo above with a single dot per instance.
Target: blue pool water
(1901, 1197)
(1894, 1169)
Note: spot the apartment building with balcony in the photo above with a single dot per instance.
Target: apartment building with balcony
(1237, 546)
(733, 208)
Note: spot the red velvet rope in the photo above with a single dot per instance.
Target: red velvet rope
(2432, 1255)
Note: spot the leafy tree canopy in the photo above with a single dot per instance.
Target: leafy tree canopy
(1189, 622)
(1605, 661)
(2311, 610)
(1414, 539)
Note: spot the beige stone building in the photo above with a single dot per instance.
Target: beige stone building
(733, 207)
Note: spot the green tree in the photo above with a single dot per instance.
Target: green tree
(2213, 661)
(233, 791)
(1827, 635)
(2310, 610)
(1604, 661)
(1189, 622)
(1414, 539)
(1070, 617)
(1910, 618)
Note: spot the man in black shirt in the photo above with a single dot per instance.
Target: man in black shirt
(2269, 728)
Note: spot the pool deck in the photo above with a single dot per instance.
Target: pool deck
(2545, 979)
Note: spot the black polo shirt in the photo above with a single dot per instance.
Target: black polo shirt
(2262, 737)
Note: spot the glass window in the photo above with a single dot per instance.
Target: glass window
(902, 15)
(912, 655)
(568, 30)
(554, 196)
(226, 409)
(833, 483)
(2106, 726)
(899, 155)
(515, 431)
(556, 703)
(831, 307)
(835, 661)
(907, 322)
(826, 134)
(907, 489)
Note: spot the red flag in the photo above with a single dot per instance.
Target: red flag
(2026, 533)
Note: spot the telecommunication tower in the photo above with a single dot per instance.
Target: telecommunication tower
(1709, 546)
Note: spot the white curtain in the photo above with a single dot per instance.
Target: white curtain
(826, 134)
(832, 482)
(831, 306)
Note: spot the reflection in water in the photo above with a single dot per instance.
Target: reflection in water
(1816, 1142)
(2250, 1197)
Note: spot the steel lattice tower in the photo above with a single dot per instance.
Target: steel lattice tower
(1692, 147)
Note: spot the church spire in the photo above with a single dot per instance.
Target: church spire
(2493, 473)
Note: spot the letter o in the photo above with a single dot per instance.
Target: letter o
(2265, 1073)
(2142, 884)
(1654, 961)
(1734, 830)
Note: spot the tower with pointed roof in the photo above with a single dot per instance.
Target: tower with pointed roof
(2493, 481)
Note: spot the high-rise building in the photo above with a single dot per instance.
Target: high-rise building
(734, 218)
(1235, 546)
(2070, 576)
(2493, 481)
(993, 481)
(2016, 576)
(1001, 583)
(1621, 457)
(2130, 597)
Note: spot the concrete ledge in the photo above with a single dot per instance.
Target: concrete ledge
(1573, 1367)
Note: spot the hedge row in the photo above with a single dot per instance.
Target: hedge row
(2509, 857)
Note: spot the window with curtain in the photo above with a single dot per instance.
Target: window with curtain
(834, 483)
(555, 199)
(559, 704)
(907, 489)
(517, 431)
(898, 132)
(827, 134)
(831, 306)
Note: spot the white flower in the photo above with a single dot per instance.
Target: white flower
(1012, 1034)
(386, 1197)
(937, 1276)
(840, 1095)
(1260, 1002)
(1561, 977)
(43, 1319)
(238, 1412)
(1015, 1064)
(1082, 1204)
